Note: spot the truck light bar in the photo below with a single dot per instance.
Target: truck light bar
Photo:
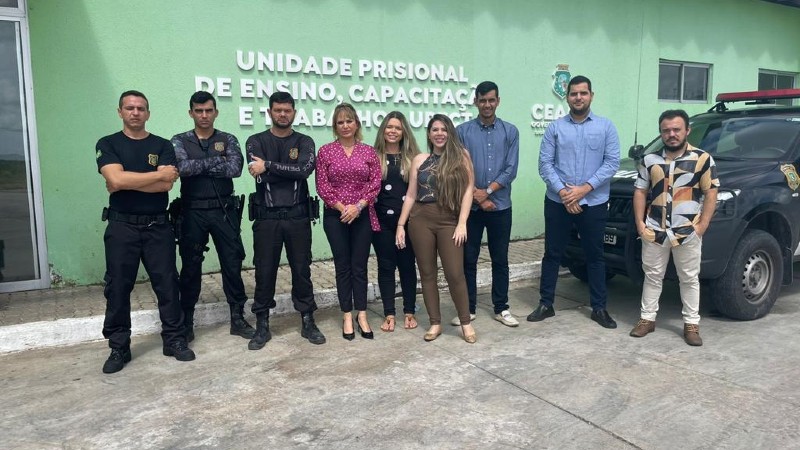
(755, 97)
(772, 94)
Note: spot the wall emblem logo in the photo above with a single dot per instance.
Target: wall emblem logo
(560, 80)
(152, 159)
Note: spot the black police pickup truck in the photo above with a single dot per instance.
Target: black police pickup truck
(753, 238)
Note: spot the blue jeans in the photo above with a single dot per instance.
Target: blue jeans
(591, 225)
(498, 235)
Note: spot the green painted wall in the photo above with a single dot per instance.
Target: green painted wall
(86, 52)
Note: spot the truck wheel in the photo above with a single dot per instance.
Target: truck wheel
(749, 286)
(580, 273)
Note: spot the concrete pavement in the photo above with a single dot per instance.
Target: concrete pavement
(73, 315)
(564, 383)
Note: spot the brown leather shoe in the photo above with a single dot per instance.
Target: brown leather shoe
(643, 328)
(691, 334)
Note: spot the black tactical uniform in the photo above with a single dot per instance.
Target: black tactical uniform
(207, 168)
(280, 208)
(139, 230)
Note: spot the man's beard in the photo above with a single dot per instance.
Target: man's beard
(677, 148)
(281, 126)
(579, 111)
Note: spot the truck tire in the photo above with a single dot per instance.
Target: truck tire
(579, 272)
(750, 284)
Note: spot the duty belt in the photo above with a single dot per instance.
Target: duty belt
(207, 204)
(294, 212)
(138, 219)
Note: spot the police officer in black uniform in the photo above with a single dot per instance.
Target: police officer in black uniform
(208, 160)
(281, 162)
(139, 169)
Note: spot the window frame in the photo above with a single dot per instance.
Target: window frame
(15, 12)
(775, 74)
(682, 65)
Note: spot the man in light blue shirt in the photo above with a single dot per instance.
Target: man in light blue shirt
(493, 145)
(578, 156)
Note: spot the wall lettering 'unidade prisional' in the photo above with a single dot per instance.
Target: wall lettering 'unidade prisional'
(373, 86)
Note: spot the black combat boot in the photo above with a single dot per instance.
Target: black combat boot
(262, 335)
(309, 330)
(239, 326)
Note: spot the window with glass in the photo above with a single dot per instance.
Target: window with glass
(773, 79)
(12, 8)
(683, 81)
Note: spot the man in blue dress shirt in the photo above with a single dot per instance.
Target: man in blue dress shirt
(578, 156)
(493, 145)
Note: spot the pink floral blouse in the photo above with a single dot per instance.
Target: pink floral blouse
(346, 179)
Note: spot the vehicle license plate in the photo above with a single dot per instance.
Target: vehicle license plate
(610, 239)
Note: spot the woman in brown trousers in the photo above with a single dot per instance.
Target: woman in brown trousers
(436, 208)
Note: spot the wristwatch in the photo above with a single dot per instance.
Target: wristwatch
(489, 190)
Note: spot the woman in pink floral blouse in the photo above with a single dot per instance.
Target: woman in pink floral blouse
(348, 178)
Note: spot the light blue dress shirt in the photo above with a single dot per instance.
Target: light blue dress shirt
(576, 153)
(495, 156)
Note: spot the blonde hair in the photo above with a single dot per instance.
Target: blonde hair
(452, 176)
(408, 145)
(349, 113)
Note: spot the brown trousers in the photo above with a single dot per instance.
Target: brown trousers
(431, 231)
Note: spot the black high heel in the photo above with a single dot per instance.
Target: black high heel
(364, 334)
(349, 336)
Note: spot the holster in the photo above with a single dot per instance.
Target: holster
(313, 209)
(175, 210)
(239, 208)
(251, 206)
(193, 252)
